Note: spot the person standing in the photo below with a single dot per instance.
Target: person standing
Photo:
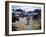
(28, 20)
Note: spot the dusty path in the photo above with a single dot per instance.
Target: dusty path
(21, 24)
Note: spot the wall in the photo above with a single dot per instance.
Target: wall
(2, 18)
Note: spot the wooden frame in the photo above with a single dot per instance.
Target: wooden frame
(7, 17)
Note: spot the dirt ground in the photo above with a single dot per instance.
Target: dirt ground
(22, 26)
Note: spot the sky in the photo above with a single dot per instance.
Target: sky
(26, 8)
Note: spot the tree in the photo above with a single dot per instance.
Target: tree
(19, 10)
